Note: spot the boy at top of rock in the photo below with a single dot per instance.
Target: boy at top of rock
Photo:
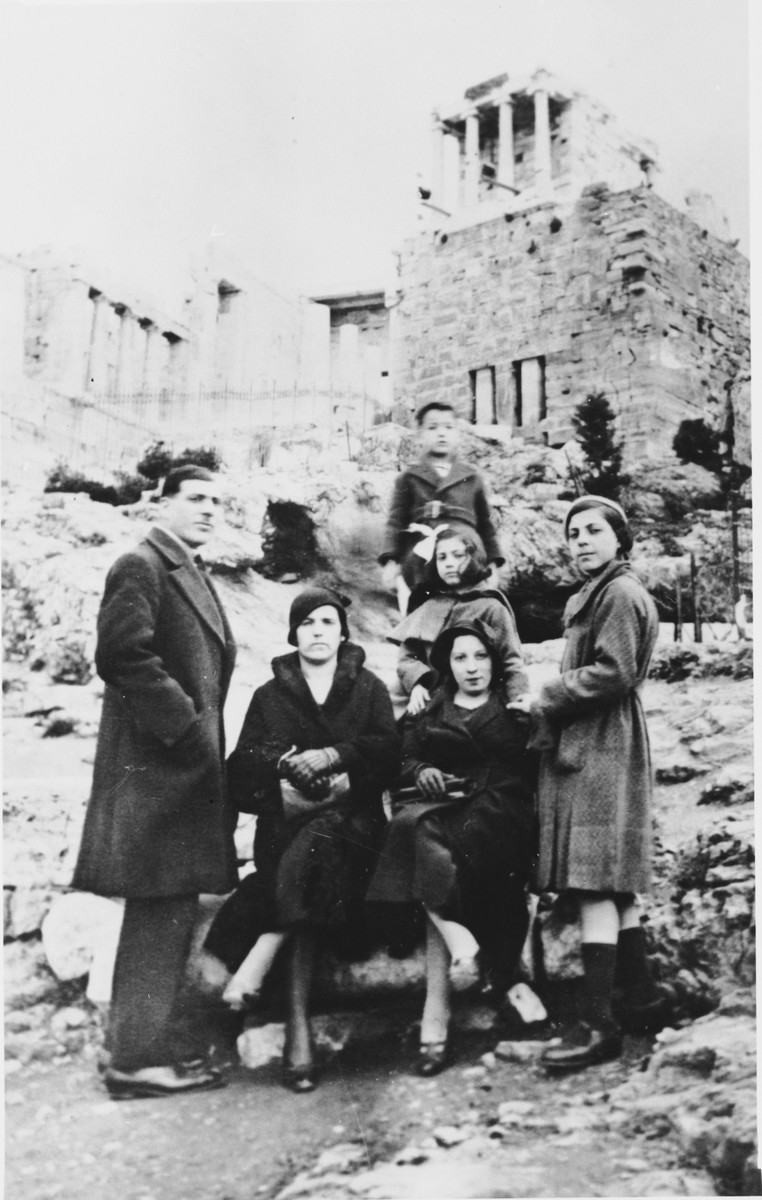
(436, 489)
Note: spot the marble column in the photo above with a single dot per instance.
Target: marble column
(471, 191)
(67, 336)
(154, 358)
(125, 374)
(505, 171)
(97, 364)
(542, 143)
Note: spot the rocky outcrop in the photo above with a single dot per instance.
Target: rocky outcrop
(700, 1085)
(59, 946)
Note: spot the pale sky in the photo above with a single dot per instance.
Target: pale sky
(297, 130)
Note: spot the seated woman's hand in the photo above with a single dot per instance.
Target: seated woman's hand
(431, 782)
(306, 768)
(521, 704)
(419, 698)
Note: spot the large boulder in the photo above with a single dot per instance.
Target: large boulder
(77, 928)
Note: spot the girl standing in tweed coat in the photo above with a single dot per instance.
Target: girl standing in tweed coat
(595, 779)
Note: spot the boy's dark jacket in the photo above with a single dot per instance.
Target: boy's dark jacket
(425, 498)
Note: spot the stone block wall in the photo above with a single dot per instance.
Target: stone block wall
(618, 291)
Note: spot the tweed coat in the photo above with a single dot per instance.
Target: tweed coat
(595, 781)
(424, 497)
(158, 822)
(417, 633)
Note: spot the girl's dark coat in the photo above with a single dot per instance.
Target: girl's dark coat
(417, 633)
(158, 823)
(595, 781)
(312, 869)
(466, 859)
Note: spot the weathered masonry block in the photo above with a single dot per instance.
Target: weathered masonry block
(515, 318)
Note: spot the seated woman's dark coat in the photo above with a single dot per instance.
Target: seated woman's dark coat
(311, 869)
(469, 859)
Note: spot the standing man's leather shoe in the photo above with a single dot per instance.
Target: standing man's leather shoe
(582, 1047)
(159, 1081)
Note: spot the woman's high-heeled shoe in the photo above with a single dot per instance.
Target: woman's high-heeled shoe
(243, 1002)
(299, 1078)
(433, 1057)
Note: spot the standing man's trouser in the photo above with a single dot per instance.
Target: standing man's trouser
(149, 1026)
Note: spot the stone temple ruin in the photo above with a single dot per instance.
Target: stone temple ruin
(546, 266)
(551, 268)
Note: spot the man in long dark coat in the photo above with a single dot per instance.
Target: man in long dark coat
(158, 829)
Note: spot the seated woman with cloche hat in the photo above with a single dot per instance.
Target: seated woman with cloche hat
(318, 747)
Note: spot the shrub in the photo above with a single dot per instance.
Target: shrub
(202, 456)
(593, 423)
(696, 442)
(714, 449)
(62, 479)
(127, 489)
(158, 460)
(155, 463)
(130, 488)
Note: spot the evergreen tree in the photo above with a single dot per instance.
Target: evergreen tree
(593, 423)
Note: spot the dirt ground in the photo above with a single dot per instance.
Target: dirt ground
(66, 1140)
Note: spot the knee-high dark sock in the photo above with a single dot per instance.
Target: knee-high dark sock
(633, 972)
(599, 961)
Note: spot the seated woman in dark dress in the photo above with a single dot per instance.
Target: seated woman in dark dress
(464, 852)
(318, 747)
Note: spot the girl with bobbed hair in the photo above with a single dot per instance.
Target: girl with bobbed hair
(462, 841)
(594, 787)
(456, 587)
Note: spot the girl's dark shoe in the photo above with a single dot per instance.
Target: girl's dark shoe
(433, 1057)
(583, 1047)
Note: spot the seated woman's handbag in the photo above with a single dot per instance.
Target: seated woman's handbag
(456, 789)
(297, 804)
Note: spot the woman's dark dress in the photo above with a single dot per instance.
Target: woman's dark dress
(467, 860)
(311, 870)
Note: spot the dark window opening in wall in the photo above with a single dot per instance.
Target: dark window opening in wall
(518, 415)
(529, 398)
(483, 407)
(700, 324)
(633, 274)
